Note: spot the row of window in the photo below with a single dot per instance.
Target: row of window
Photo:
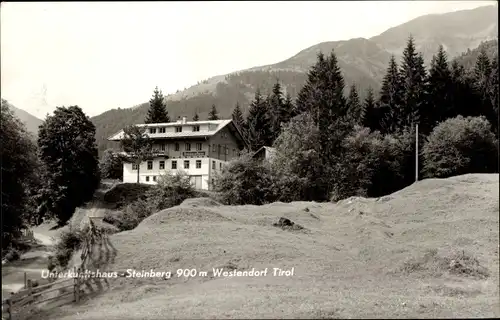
(174, 165)
(199, 147)
(177, 129)
(147, 178)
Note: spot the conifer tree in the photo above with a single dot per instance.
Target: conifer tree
(356, 109)
(238, 118)
(259, 124)
(464, 98)
(323, 98)
(439, 89)
(413, 77)
(390, 104)
(372, 117)
(213, 114)
(482, 77)
(157, 112)
(276, 110)
(289, 108)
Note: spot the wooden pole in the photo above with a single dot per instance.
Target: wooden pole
(25, 280)
(9, 305)
(416, 153)
(76, 289)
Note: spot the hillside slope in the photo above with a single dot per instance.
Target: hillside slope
(32, 123)
(429, 250)
(362, 61)
(468, 59)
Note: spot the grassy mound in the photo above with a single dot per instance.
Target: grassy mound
(125, 193)
(361, 258)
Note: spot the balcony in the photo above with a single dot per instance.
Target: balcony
(159, 153)
(194, 154)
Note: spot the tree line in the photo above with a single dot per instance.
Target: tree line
(331, 146)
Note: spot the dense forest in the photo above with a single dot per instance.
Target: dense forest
(332, 145)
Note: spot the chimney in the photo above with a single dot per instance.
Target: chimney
(183, 119)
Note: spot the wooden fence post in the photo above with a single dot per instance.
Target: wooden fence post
(30, 288)
(9, 305)
(77, 288)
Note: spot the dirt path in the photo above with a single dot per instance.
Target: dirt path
(32, 262)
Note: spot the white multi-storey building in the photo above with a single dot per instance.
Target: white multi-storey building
(199, 148)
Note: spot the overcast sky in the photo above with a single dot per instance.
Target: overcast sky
(102, 56)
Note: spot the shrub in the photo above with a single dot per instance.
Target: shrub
(361, 158)
(69, 242)
(396, 166)
(170, 191)
(244, 181)
(459, 146)
(12, 255)
(129, 217)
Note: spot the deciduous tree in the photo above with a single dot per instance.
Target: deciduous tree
(68, 150)
(137, 144)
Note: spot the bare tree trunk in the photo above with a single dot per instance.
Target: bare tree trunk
(138, 168)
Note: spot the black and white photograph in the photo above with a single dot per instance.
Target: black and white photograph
(249, 160)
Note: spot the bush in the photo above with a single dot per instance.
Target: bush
(69, 242)
(361, 158)
(396, 166)
(458, 146)
(12, 255)
(129, 217)
(170, 191)
(244, 181)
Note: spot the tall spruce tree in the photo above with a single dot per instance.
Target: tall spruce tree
(289, 107)
(464, 98)
(356, 109)
(372, 117)
(413, 79)
(157, 112)
(439, 90)
(213, 114)
(390, 101)
(276, 110)
(238, 118)
(259, 132)
(482, 78)
(323, 98)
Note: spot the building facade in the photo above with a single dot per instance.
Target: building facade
(198, 148)
(264, 153)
